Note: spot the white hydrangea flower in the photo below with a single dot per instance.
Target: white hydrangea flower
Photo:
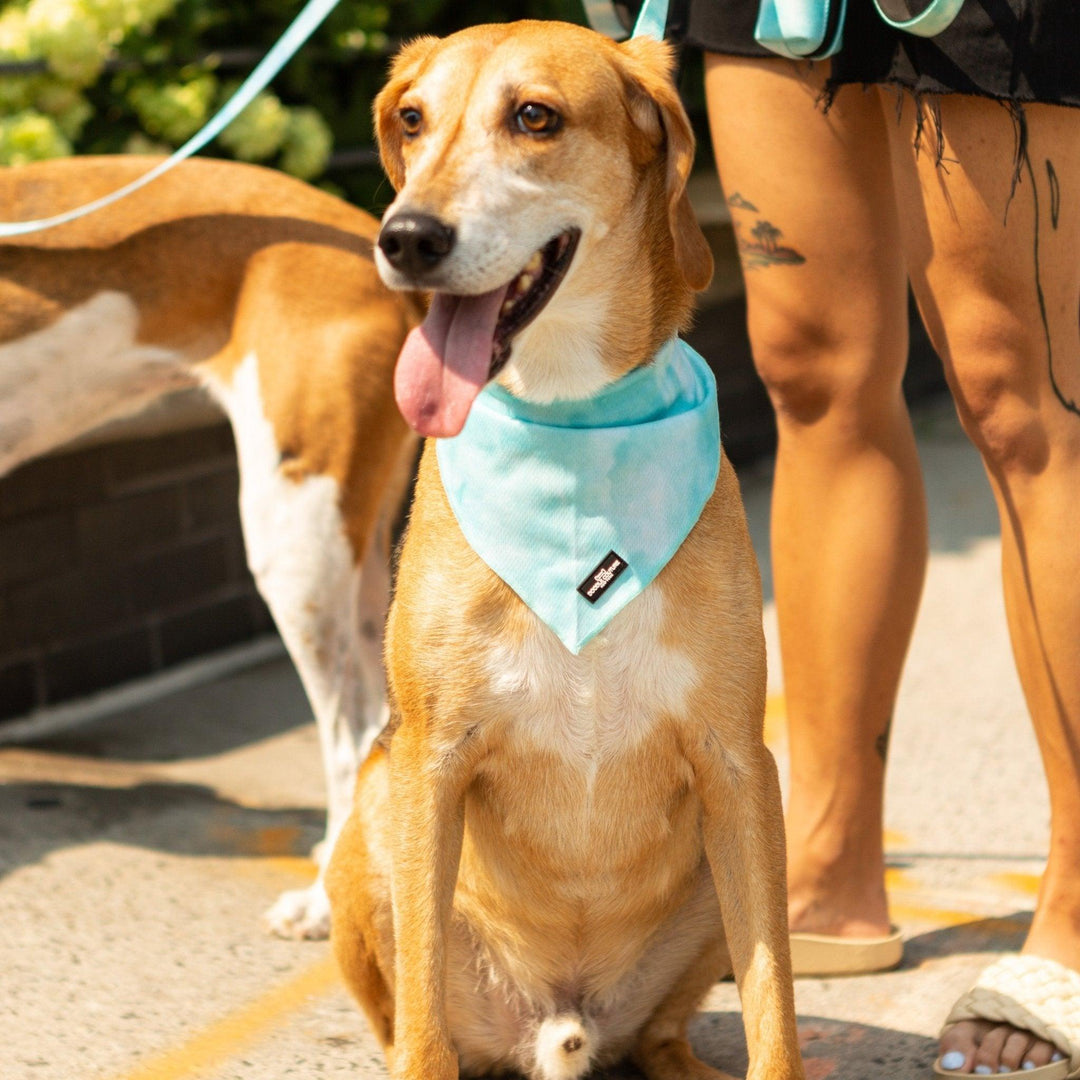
(62, 32)
(175, 111)
(14, 34)
(30, 136)
(258, 132)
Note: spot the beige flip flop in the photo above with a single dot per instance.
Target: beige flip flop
(828, 954)
(1033, 994)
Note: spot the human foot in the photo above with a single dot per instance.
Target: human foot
(836, 855)
(852, 913)
(838, 912)
(985, 1048)
(1022, 1016)
(840, 892)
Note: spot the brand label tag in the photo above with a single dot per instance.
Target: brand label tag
(607, 570)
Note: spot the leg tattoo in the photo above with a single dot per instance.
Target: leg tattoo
(1055, 205)
(764, 247)
(881, 743)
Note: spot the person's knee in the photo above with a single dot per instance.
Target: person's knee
(1004, 424)
(811, 370)
(998, 374)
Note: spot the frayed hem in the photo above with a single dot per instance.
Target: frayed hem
(928, 121)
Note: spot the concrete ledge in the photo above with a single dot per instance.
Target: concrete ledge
(47, 722)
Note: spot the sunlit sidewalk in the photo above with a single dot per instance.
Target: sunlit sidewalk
(138, 852)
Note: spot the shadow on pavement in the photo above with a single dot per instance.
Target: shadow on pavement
(1004, 933)
(831, 1049)
(172, 818)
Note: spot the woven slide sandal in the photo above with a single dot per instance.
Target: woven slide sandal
(1033, 994)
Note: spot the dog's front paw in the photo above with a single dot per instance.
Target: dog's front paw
(300, 913)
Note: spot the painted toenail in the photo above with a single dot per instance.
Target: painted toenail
(1058, 1056)
(983, 1070)
(1028, 1065)
(954, 1059)
(1004, 1068)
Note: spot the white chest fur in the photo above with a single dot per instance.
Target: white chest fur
(602, 702)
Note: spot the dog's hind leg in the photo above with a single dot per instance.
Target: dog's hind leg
(331, 619)
(662, 1051)
(329, 604)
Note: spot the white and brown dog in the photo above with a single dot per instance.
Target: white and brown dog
(553, 856)
(263, 290)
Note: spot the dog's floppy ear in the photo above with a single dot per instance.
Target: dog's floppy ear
(656, 110)
(404, 69)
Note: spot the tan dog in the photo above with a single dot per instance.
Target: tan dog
(553, 857)
(263, 290)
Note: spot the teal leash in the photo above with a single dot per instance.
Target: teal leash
(301, 28)
(934, 18)
(814, 29)
(652, 19)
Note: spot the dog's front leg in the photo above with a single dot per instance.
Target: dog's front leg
(744, 843)
(428, 781)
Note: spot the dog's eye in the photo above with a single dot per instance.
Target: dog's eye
(536, 119)
(411, 121)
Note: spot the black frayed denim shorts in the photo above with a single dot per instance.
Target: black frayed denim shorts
(1015, 51)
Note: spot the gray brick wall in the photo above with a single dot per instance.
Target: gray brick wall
(117, 561)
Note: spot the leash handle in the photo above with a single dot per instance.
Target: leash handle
(801, 29)
(301, 28)
(934, 18)
(813, 29)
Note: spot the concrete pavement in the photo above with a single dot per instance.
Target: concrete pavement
(137, 852)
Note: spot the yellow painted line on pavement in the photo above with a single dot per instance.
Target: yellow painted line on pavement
(300, 865)
(899, 880)
(906, 911)
(269, 840)
(906, 904)
(226, 1037)
(281, 870)
(1024, 883)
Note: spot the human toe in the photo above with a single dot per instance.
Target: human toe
(1014, 1052)
(960, 1043)
(988, 1054)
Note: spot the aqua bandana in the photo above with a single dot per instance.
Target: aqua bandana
(578, 505)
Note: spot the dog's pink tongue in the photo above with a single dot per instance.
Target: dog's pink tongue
(445, 362)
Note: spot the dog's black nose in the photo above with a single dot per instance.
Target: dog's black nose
(415, 243)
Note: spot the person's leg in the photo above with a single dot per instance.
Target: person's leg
(1000, 297)
(814, 210)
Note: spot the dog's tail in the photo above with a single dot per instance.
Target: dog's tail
(564, 1047)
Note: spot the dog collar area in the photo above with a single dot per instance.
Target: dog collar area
(578, 505)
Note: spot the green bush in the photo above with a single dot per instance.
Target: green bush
(142, 76)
